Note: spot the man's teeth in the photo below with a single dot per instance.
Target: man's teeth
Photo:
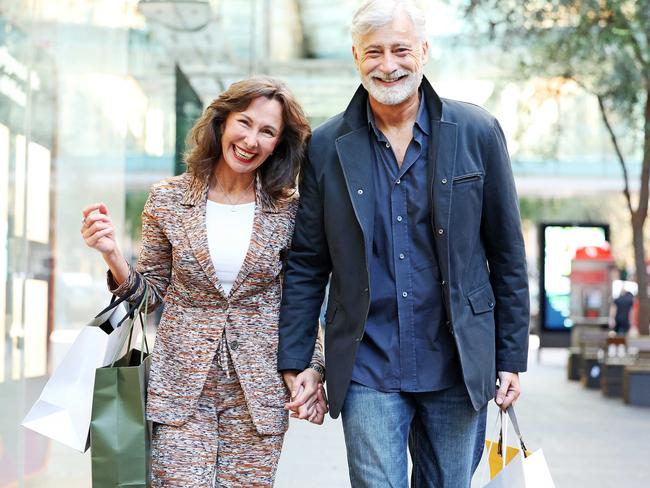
(243, 154)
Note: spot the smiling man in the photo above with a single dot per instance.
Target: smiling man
(408, 203)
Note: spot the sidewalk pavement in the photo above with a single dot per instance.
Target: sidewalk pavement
(589, 441)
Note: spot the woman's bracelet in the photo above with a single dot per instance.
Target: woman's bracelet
(319, 369)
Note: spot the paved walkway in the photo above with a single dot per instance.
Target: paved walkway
(588, 440)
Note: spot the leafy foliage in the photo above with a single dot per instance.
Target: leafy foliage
(604, 45)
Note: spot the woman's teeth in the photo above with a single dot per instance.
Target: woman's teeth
(243, 154)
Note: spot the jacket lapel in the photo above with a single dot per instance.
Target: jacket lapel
(265, 221)
(442, 159)
(355, 155)
(195, 227)
(441, 162)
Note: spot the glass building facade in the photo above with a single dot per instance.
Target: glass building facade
(96, 97)
(87, 113)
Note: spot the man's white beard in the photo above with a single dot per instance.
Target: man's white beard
(392, 95)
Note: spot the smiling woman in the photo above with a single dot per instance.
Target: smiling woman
(259, 119)
(213, 243)
(248, 138)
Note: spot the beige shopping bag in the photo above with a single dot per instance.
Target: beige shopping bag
(519, 467)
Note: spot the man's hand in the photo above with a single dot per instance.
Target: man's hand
(509, 390)
(320, 407)
(304, 392)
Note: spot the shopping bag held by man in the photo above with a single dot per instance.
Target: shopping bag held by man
(515, 467)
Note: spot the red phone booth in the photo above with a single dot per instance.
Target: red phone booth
(591, 284)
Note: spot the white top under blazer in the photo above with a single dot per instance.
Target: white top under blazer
(229, 233)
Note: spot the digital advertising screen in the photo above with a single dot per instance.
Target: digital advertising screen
(559, 243)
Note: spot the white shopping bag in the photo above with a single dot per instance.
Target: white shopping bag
(62, 412)
(524, 470)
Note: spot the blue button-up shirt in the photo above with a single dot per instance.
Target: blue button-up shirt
(406, 345)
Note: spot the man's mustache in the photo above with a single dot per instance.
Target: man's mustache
(395, 75)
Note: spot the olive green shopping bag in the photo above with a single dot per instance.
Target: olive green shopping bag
(119, 432)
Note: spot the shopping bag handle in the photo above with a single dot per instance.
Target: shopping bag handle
(143, 323)
(500, 425)
(115, 301)
(143, 302)
(502, 437)
(135, 308)
(486, 469)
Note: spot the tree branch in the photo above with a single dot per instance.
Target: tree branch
(644, 191)
(619, 154)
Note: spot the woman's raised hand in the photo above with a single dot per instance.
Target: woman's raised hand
(97, 228)
(98, 233)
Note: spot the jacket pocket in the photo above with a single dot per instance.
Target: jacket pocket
(467, 178)
(482, 299)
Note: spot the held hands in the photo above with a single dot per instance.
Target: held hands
(308, 399)
(509, 390)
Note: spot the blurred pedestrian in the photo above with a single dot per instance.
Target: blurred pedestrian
(213, 243)
(409, 202)
(620, 312)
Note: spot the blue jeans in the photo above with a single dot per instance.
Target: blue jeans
(444, 434)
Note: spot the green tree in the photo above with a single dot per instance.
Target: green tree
(602, 45)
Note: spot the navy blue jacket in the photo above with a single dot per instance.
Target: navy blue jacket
(479, 246)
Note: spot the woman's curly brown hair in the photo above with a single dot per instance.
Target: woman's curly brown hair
(278, 174)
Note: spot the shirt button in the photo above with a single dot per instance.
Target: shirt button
(399, 218)
(444, 181)
(443, 282)
(398, 181)
(234, 345)
(401, 255)
(441, 231)
(387, 146)
(404, 294)
(360, 191)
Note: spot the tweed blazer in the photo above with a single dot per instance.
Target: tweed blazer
(175, 261)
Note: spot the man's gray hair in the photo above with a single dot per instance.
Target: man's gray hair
(373, 14)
